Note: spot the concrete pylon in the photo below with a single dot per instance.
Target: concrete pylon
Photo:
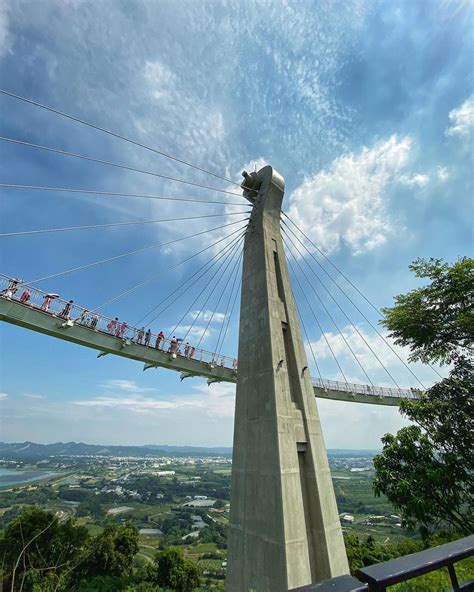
(284, 525)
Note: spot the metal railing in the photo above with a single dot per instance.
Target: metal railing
(381, 576)
(365, 389)
(51, 304)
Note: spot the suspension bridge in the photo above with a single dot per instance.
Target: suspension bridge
(284, 528)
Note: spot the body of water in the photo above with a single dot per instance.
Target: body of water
(11, 477)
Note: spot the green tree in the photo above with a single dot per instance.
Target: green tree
(38, 550)
(426, 470)
(435, 321)
(174, 572)
(111, 553)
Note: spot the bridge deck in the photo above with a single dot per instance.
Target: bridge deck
(75, 326)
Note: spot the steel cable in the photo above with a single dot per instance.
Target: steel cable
(113, 164)
(100, 262)
(114, 134)
(112, 193)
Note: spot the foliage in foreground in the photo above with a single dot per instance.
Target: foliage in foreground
(427, 469)
(39, 553)
(436, 321)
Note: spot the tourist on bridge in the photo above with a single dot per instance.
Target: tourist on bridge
(94, 321)
(159, 338)
(123, 328)
(83, 318)
(25, 296)
(66, 310)
(140, 335)
(173, 345)
(111, 325)
(187, 348)
(147, 338)
(47, 299)
(12, 288)
(235, 363)
(192, 351)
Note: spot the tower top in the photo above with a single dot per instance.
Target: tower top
(258, 182)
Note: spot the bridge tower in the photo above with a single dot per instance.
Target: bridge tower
(284, 525)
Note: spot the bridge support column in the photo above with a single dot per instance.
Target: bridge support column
(284, 525)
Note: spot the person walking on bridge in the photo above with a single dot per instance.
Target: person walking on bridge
(140, 335)
(12, 288)
(123, 328)
(111, 325)
(147, 338)
(66, 310)
(47, 299)
(159, 338)
(173, 345)
(25, 296)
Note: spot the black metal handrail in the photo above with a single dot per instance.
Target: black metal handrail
(378, 577)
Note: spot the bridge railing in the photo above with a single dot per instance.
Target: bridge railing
(382, 576)
(51, 304)
(365, 389)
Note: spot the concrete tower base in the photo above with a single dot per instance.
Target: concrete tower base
(284, 525)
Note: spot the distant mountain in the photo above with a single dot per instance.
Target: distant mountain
(24, 450)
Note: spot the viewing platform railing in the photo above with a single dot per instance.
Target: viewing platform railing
(71, 314)
(365, 389)
(381, 576)
(90, 319)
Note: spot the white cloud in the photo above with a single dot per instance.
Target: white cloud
(30, 396)
(345, 203)
(417, 180)
(193, 333)
(367, 347)
(160, 78)
(6, 41)
(3, 396)
(442, 173)
(207, 315)
(218, 400)
(128, 386)
(134, 403)
(462, 119)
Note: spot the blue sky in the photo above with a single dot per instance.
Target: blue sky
(367, 110)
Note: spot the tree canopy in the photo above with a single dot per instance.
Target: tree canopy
(435, 321)
(427, 469)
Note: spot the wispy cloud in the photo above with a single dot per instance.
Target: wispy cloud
(462, 119)
(6, 38)
(216, 401)
(3, 396)
(346, 203)
(127, 386)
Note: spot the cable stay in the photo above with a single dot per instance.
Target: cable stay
(238, 290)
(232, 271)
(317, 321)
(115, 224)
(114, 164)
(162, 273)
(148, 248)
(226, 312)
(223, 266)
(308, 340)
(348, 319)
(113, 193)
(387, 343)
(115, 135)
(180, 290)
